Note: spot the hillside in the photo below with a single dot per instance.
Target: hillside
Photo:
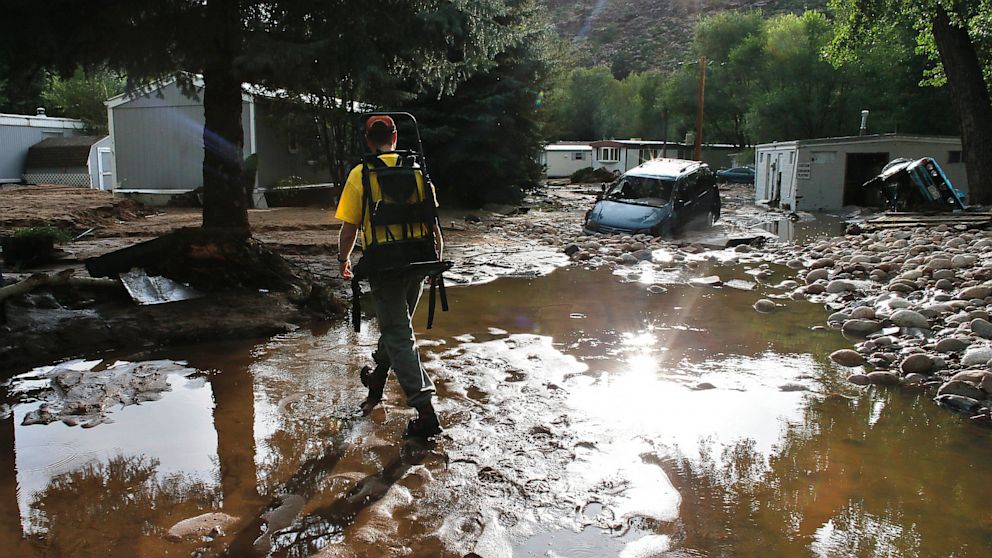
(645, 34)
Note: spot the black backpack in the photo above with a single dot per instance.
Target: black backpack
(401, 237)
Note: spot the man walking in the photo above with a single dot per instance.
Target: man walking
(394, 293)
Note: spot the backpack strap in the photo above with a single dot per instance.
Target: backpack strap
(356, 286)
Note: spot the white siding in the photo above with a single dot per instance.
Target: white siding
(561, 163)
(158, 141)
(813, 172)
(18, 133)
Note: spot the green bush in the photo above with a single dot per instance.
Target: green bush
(60, 236)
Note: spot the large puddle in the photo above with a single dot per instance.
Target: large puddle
(585, 415)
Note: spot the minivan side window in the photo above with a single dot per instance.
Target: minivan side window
(706, 179)
(690, 186)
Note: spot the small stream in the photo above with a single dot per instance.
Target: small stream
(585, 415)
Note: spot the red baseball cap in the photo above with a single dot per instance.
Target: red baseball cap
(379, 122)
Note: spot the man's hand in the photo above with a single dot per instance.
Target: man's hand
(346, 242)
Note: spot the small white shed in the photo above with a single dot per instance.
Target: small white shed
(563, 159)
(157, 138)
(828, 173)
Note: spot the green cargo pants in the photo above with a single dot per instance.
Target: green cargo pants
(395, 300)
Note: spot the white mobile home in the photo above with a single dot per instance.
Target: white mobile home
(19, 132)
(563, 159)
(827, 174)
(622, 155)
(158, 141)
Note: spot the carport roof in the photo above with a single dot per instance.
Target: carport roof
(60, 153)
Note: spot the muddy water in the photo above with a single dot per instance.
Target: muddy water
(585, 414)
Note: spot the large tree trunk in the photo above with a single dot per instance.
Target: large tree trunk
(224, 195)
(971, 101)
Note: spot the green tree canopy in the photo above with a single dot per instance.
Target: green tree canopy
(373, 49)
(82, 96)
(484, 139)
(954, 35)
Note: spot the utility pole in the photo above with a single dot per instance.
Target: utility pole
(664, 134)
(697, 151)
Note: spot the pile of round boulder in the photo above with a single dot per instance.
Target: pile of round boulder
(915, 302)
(615, 249)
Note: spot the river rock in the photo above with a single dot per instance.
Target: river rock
(957, 403)
(822, 263)
(981, 328)
(909, 318)
(974, 292)
(861, 328)
(795, 264)
(917, 364)
(709, 281)
(202, 525)
(976, 356)
(838, 318)
(913, 379)
(815, 289)
(944, 285)
(951, 345)
(840, 286)
(986, 384)
(863, 313)
(972, 376)
(939, 263)
(964, 389)
(571, 249)
(628, 259)
(817, 275)
(764, 306)
(883, 378)
(962, 260)
(847, 357)
(859, 379)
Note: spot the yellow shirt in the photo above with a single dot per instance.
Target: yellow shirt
(350, 206)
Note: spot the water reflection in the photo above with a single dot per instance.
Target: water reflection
(583, 414)
(843, 485)
(809, 227)
(114, 508)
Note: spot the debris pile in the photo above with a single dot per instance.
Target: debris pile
(80, 393)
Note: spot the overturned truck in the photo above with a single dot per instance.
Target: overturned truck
(915, 185)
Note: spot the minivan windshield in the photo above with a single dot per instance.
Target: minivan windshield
(641, 189)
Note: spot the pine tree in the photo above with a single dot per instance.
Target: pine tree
(374, 48)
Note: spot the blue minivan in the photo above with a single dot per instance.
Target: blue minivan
(660, 197)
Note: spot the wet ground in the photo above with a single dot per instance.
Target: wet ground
(588, 414)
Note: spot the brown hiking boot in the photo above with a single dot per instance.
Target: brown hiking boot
(426, 425)
(375, 380)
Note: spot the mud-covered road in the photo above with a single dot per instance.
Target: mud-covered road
(590, 410)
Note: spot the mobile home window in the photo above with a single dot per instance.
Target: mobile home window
(648, 154)
(792, 157)
(580, 156)
(609, 154)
